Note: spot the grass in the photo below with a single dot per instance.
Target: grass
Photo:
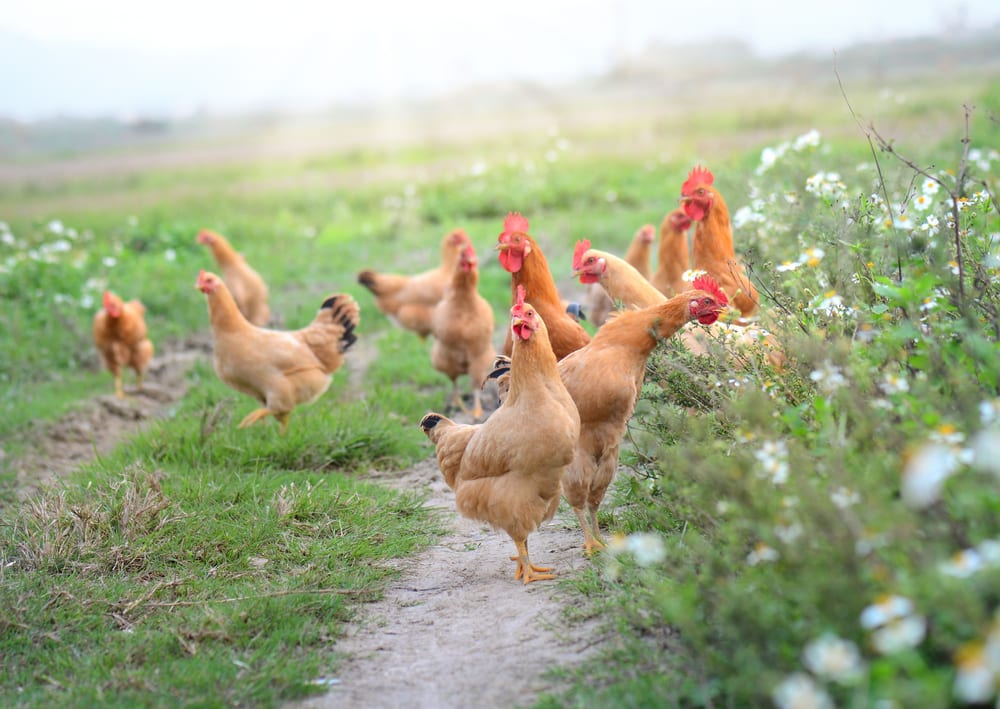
(202, 561)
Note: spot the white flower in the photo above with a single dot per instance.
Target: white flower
(930, 187)
(773, 458)
(931, 225)
(478, 168)
(844, 497)
(986, 450)
(787, 266)
(893, 624)
(611, 196)
(834, 658)
(690, 275)
(800, 691)
(924, 475)
(109, 261)
(946, 433)
(895, 383)
(647, 548)
(761, 552)
(962, 564)
(902, 221)
(829, 304)
(825, 184)
(922, 203)
(807, 140)
(56, 226)
(788, 533)
(975, 679)
(170, 255)
(828, 377)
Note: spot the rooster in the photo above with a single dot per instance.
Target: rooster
(507, 470)
(712, 245)
(638, 256)
(619, 351)
(673, 254)
(120, 335)
(248, 288)
(409, 300)
(523, 259)
(462, 326)
(280, 369)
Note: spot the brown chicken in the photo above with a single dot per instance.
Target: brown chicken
(409, 300)
(248, 288)
(638, 257)
(620, 281)
(625, 286)
(673, 254)
(712, 245)
(523, 259)
(462, 326)
(120, 336)
(507, 470)
(280, 369)
(619, 351)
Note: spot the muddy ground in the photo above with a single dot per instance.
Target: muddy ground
(455, 629)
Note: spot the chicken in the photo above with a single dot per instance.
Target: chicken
(507, 470)
(120, 336)
(409, 300)
(712, 245)
(618, 354)
(638, 257)
(523, 259)
(248, 288)
(625, 285)
(673, 254)
(280, 369)
(604, 379)
(621, 282)
(462, 326)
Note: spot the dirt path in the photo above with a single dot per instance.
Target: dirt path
(455, 629)
(96, 426)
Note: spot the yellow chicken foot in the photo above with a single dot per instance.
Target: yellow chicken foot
(119, 389)
(477, 405)
(591, 542)
(256, 415)
(595, 528)
(525, 569)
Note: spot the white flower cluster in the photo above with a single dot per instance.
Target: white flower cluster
(894, 625)
(769, 156)
(773, 459)
(826, 184)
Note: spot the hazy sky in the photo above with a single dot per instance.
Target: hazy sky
(182, 54)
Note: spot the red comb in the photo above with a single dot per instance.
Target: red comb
(515, 222)
(517, 310)
(107, 299)
(469, 253)
(708, 284)
(582, 247)
(697, 176)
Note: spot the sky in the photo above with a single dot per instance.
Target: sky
(128, 56)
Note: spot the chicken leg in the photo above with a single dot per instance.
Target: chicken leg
(591, 532)
(525, 569)
(262, 413)
(119, 387)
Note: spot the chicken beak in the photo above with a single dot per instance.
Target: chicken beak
(501, 246)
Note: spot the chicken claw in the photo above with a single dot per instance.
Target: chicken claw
(525, 569)
(260, 414)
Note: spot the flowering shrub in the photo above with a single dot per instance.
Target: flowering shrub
(830, 531)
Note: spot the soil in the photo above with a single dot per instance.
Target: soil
(455, 629)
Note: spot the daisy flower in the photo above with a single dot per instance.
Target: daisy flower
(833, 658)
(800, 691)
(893, 624)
